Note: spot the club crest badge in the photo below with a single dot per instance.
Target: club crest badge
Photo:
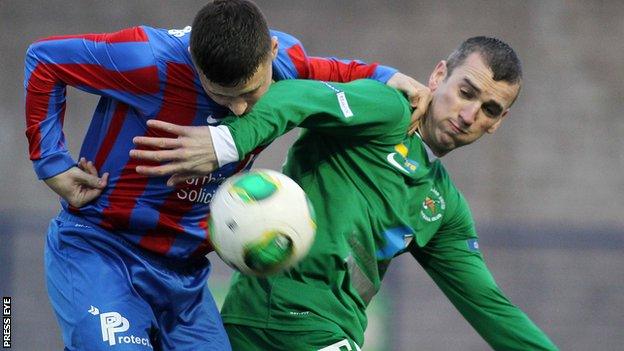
(433, 206)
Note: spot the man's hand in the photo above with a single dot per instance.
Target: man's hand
(188, 155)
(418, 95)
(78, 185)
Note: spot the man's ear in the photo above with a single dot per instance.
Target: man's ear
(438, 75)
(495, 126)
(274, 47)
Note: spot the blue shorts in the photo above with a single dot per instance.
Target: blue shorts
(109, 294)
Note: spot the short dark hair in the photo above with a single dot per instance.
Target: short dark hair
(229, 41)
(497, 54)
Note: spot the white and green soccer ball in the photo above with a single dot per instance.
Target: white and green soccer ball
(261, 222)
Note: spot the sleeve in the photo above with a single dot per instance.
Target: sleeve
(454, 262)
(118, 65)
(292, 62)
(360, 109)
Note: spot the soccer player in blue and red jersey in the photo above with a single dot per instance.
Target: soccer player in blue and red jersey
(125, 259)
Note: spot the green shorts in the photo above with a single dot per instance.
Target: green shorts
(245, 338)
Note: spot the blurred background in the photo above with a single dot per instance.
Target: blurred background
(546, 190)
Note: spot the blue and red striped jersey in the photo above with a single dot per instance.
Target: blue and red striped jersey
(142, 73)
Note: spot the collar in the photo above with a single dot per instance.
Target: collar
(431, 157)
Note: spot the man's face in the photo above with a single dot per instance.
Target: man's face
(465, 105)
(241, 98)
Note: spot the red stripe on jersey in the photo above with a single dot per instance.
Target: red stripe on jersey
(300, 60)
(206, 246)
(111, 134)
(337, 71)
(161, 238)
(179, 107)
(328, 69)
(98, 77)
(123, 197)
(38, 93)
(134, 34)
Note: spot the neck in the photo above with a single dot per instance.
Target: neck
(426, 134)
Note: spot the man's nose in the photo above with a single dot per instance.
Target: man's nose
(238, 107)
(468, 113)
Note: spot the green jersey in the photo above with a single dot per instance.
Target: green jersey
(377, 193)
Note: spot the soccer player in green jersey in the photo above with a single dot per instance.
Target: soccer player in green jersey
(378, 193)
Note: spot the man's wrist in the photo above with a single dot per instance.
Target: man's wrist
(52, 165)
(223, 144)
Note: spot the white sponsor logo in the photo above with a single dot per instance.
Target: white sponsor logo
(179, 32)
(393, 162)
(200, 190)
(112, 323)
(342, 100)
(344, 105)
(211, 120)
(300, 314)
(94, 310)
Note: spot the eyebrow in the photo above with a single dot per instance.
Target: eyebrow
(496, 107)
(254, 89)
(472, 85)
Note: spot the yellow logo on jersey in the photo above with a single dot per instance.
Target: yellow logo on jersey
(400, 161)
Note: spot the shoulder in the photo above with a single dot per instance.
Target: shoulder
(285, 40)
(290, 62)
(169, 45)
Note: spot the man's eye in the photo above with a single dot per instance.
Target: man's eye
(465, 93)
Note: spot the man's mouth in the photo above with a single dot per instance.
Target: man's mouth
(456, 128)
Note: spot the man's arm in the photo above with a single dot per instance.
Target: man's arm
(453, 260)
(363, 109)
(293, 62)
(119, 65)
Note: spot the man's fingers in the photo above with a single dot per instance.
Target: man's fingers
(179, 179)
(90, 168)
(424, 100)
(167, 127)
(82, 163)
(162, 170)
(104, 179)
(157, 155)
(157, 142)
(91, 181)
(415, 122)
(421, 103)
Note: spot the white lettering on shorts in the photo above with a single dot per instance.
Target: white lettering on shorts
(113, 323)
(341, 345)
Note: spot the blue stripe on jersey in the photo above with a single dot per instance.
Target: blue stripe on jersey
(114, 57)
(395, 242)
(29, 65)
(283, 67)
(53, 164)
(100, 122)
(383, 73)
(52, 139)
